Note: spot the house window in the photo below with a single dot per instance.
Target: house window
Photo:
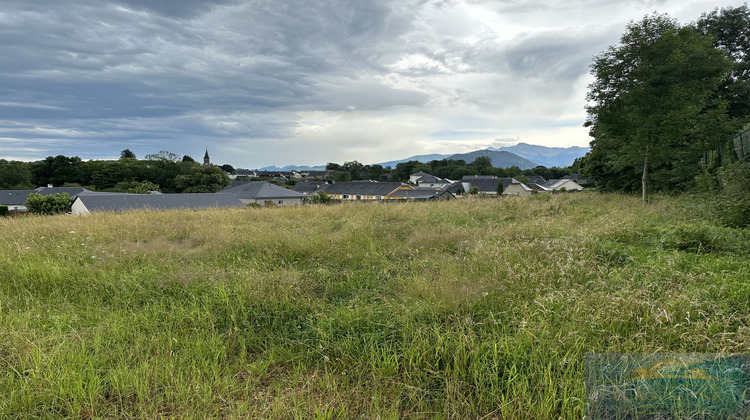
(281, 202)
(359, 197)
(345, 196)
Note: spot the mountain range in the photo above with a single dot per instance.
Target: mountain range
(546, 156)
(523, 155)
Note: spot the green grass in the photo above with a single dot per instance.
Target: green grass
(481, 308)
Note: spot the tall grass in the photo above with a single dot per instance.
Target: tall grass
(481, 308)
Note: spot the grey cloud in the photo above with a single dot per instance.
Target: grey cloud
(263, 54)
(548, 55)
(175, 8)
(187, 72)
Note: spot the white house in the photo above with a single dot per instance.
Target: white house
(559, 185)
(488, 185)
(425, 180)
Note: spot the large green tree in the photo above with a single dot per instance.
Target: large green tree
(48, 204)
(14, 175)
(127, 154)
(654, 107)
(730, 30)
(197, 178)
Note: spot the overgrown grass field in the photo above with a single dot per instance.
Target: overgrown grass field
(480, 308)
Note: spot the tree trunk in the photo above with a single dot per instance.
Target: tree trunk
(644, 178)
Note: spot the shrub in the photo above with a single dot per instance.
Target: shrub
(735, 194)
(144, 187)
(3, 210)
(321, 198)
(50, 204)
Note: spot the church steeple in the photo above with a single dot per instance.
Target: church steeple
(206, 159)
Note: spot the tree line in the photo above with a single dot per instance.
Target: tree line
(453, 169)
(663, 96)
(164, 172)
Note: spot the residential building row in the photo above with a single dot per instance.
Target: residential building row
(421, 187)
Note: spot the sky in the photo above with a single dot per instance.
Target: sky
(302, 82)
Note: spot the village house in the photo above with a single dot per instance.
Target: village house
(425, 194)
(264, 193)
(425, 180)
(120, 202)
(242, 174)
(16, 199)
(556, 185)
(367, 190)
(488, 185)
(309, 187)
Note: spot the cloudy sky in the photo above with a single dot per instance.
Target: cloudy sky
(279, 82)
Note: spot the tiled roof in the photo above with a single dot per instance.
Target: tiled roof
(363, 188)
(125, 202)
(260, 190)
(306, 187)
(425, 194)
(536, 179)
(474, 177)
(72, 191)
(486, 184)
(554, 183)
(18, 197)
(14, 197)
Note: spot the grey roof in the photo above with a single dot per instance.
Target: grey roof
(14, 197)
(486, 184)
(554, 184)
(430, 179)
(124, 202)
(425, 177)
(243, 172)
(309, 187)
(72, 191)
(536, 187)
(454, 188)
(475, 177)
(271, 174)
(536, 179)
(257, 190)
(18, 197)
(363, 188)
(235, 183)
(425, 194)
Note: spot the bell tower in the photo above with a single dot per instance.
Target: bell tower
(206, 159)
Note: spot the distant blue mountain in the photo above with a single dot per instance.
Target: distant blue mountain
(523, 155)
(560, 157)
(500, 159)
(418, 158)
